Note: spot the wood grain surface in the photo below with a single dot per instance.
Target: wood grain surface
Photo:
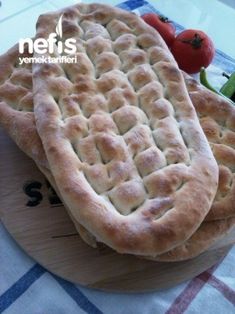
(39, 223)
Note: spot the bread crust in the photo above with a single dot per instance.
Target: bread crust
(217, 118)
(17, 118)
(16, 105)
(206, 235)
(93, 160)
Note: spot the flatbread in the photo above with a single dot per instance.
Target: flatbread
(207, 234)
(120, 133)
(217, 118)
(18, 120)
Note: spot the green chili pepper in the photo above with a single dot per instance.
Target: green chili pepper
(228, 89)
(204, 81)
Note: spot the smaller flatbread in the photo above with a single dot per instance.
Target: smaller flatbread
(207, 234)
(217, 118)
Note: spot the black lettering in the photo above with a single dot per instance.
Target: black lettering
(30, 189)
(53, 197)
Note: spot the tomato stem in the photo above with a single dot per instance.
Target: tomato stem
(226, 75)
(164, 19)
(195, 42)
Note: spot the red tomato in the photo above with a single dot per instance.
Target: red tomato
(165, 28)
(192, 50)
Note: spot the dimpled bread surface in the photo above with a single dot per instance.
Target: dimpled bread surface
(120, 133)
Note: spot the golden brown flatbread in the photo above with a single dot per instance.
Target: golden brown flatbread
(120, 133)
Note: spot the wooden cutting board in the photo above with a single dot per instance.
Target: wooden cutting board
(37, 220)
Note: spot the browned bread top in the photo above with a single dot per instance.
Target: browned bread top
(120, 133)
